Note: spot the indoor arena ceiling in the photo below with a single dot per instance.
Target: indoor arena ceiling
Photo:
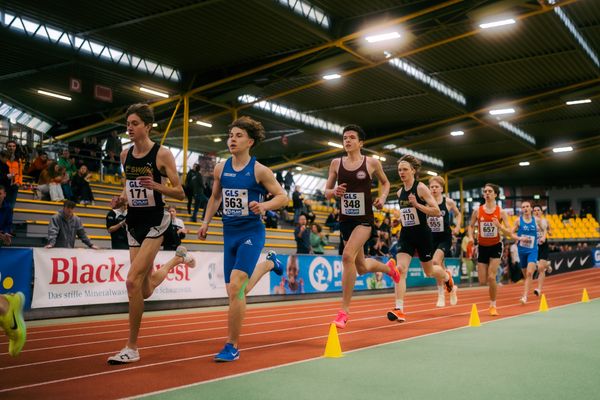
(267, 58)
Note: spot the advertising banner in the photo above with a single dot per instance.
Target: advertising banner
(15, 272)
(73, 277)
(567, 261)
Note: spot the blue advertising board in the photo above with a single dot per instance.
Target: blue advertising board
(16, 271)
(318, 274)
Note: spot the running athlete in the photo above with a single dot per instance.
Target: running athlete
(543, 263)
(12, 322)
(528, 229)
(489, 218)
(353, 174)
(416, 203)
(241, 183)
(442, 234)
(146, 164)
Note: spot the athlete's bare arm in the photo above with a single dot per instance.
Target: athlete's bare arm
(330, 189)
(432, 207)
(165, 162)
(375, 166)
(451, 206)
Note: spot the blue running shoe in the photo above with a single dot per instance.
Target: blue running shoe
(229, 353)
(277, 267)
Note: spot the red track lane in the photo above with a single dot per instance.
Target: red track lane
(69, 361)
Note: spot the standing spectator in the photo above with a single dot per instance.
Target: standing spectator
(5, 177)
(15, 167)
(187, 187)
(38, 165)
(64, 226)
(302, 236)
(82, 192)
(297, 203)
(279, 177)
(78, 157)
(317, 239)
(288, 181)
(113, 143)
(197, 192)
(6, 217)
(115, 223)
(176, 231)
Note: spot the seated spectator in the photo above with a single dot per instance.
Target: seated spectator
(65, 184)
(395, 228)
(271, 219)
(38, 165)
(308, 212)
(82, 192)
(302, 236)
(333, 220)
(6, 217)
(116, 224)
(317, 239)
(49, 184)
(176, 231)
(64, 161)
(65, 226)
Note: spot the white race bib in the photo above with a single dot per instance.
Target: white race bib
(235, 202)
(409, 217)
(488, 229)
(527, 241)
(137, 195)
(353, 204)
(436, 224)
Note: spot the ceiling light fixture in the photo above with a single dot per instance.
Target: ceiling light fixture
(564, 149)
(206, 124)
(573, 102)
(457, 133)
(56, 95)
(333, 144)
(382, 37)
(494, 24)
(502, 111)
(154, 92)
(331, 77)
(524, 164)
(432, 173)
(217, 139)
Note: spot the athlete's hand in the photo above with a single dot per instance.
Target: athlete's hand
(339, 190)
(203, 231)
(257, 208)
(496, 222)
(147, 182)
(456, 231)
(378, 203)
(412, 199)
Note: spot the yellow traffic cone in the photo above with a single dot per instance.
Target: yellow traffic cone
(333, 348)
(585, 298)
(543, 304)
(474, 319)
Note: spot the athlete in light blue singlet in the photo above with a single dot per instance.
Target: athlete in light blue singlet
(241, 184)
(528, 231)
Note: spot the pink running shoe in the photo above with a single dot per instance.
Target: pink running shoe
(394, 273)
(341, 320)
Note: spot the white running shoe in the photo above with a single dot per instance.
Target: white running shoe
(125, 356)
(454, 296)
(188, 259)
(523, 300)
(441, 301)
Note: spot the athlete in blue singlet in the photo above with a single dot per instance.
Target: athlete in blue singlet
(241, 183)
(528, 231)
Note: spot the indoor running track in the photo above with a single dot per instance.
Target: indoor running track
(68, 360)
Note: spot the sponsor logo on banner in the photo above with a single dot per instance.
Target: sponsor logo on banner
(15, 272)
(320, 273)
(573, 260)
(75, 277)
(597, 257)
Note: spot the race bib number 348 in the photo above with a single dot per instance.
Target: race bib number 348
(139, 196)
(235, 202)
(353, 204)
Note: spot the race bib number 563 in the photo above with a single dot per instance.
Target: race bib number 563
(235, 202)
